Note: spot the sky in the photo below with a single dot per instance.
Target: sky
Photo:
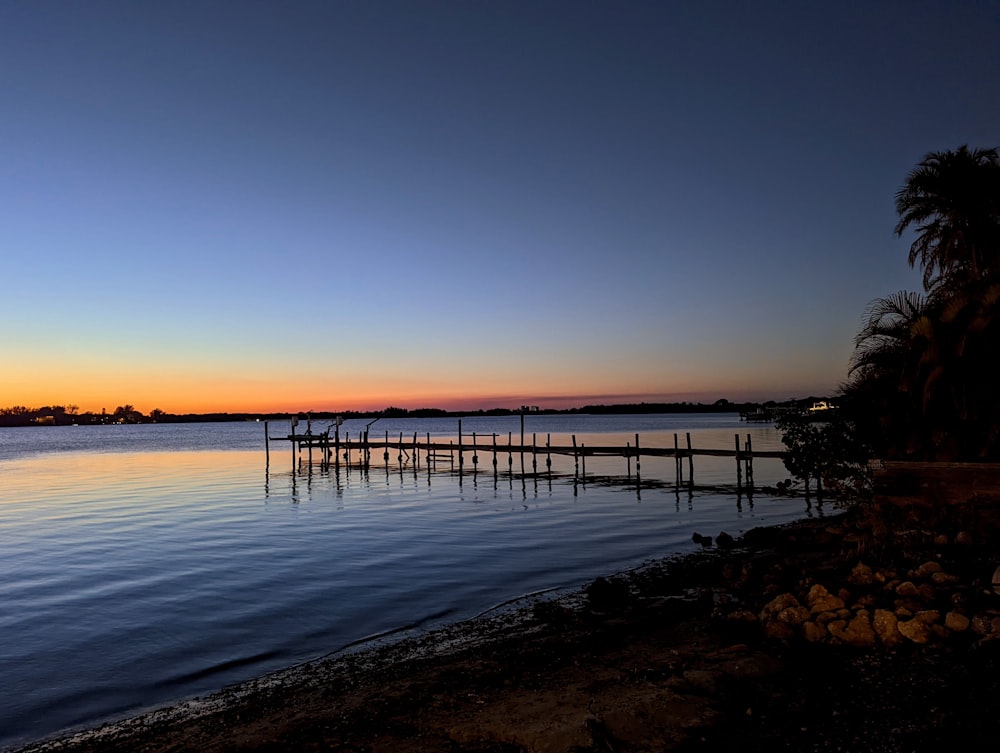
(345, 205)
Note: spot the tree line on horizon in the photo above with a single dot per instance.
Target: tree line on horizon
(59, 415)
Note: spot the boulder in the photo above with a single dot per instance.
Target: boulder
(915, 630)
(861, 575)
(815, 632)
(956, 622)
(886, 627)
(778, 604)
(927, 569)
(855, 632)
(820, 600)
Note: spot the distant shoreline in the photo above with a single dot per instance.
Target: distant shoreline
(51, 417)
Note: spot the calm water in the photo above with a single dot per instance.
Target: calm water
(145, 564)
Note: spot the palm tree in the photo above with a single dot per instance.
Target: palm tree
(885, 395)
(952, 198)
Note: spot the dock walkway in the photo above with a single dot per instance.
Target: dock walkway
(334, 449)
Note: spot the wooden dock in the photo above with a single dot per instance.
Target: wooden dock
(331, 448)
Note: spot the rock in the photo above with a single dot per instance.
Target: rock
(779, 631)
(741, 617)
(928, 616)
(724, 540)
(927, 592)
(943, 579)
(697, 538)
(793, 615)
(778, 604)
(861, 575)
(907, 589)
(856, 632)
(927, 569)
(964, 538)
(941, 540)
(885, 625)
(915, 630)
(982, 625)
(814, 632)
(608, 594)
(821, 600)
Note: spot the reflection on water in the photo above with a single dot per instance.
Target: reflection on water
(133, 578)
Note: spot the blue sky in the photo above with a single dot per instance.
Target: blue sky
(327, 205)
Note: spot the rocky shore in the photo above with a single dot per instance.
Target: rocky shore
(854, 632)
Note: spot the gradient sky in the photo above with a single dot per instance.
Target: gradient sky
(253, 206)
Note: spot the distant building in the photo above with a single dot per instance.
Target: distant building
(529, 409)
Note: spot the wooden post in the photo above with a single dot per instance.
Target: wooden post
(690, 460)
(749, 463)
(678, 468)
(576, 459)
(534, 458)
(416, 453)
(548, 454)
(475, 453)
(638, 457)
(459, 445)
(628, 460)
(739, 470)
(267, 448)
(494, 455)
(510, 453)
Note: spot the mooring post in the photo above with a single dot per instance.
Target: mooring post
(678, 468)
(459, 445)
(628, 460)
(638, 456)
(739, 471)
(690, 460)
(576, 459)
(494, 455)
(267, 448)
(548, 454)
(749, 462)
(475, 453)
(510, 453)
(534, 457)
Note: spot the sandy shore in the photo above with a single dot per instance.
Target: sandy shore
(677, 656)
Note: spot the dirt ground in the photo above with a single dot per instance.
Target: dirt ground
(657, 660)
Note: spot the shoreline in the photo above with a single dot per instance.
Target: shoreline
(675, 655)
